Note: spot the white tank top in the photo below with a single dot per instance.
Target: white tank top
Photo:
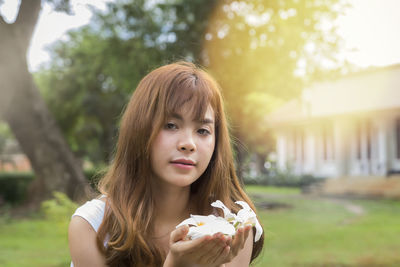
(93, 212)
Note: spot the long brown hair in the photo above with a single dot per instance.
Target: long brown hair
(130, 203)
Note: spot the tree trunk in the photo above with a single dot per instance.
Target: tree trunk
(22, 107)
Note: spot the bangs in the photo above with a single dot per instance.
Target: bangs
(190, 93)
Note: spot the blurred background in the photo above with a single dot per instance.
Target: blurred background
(311, 88)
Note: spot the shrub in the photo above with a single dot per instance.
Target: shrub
(14, 185)
(279, 178)
(58, 209)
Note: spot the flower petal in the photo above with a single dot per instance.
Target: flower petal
(200, 219)
(244, 205)
(248, 216)
(245, 215)
(259, 231)
(197, 232)
(188, 221)
(227, 212)
(201, 225)
(210, 225)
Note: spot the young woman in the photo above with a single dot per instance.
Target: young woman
(173, 159)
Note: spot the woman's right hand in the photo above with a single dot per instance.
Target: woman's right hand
(204, 251)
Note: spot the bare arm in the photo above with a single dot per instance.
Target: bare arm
(82, 244)
(243, 257)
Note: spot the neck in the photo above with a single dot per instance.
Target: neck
(172, 204)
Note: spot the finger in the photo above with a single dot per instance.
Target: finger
(225, 240)
(237, 241)
(185, 249)
(208, 252)
(215, 250)
(191, 246)
(208, 247)
(224, 256)
(228, 240)
(179, 234)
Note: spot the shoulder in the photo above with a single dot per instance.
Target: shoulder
(82, 235)
(92, 211)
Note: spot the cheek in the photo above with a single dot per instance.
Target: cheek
(160, 142)
(208, 149)
(157, 147)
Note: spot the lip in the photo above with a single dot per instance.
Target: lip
(184, 164)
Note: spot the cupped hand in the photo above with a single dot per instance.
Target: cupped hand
(207, 251)
(238, 242)
(204, 251)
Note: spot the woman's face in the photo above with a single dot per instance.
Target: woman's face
(183, 148)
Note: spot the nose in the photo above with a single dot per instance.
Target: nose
(186, 143)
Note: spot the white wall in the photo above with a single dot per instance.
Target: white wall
(342, 157)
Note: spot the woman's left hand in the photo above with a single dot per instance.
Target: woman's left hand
(237, 243)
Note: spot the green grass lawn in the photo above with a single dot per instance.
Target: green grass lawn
(308, 231)
(272, 190)
(315, 232)
(34, 242)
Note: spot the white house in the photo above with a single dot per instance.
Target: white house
(344, 127)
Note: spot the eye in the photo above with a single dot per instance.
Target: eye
(203, 131)
(170, 126)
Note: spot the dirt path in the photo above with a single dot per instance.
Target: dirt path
(355, 209)
(272, 201)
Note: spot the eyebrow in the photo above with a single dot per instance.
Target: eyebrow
(207, 121)
(203, 121)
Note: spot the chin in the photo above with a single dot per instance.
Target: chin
(184, 181)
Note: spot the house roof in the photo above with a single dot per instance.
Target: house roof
(361, 92)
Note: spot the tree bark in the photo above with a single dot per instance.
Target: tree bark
(22, 107)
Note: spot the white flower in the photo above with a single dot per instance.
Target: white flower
(207, 225)
(247, 216)
(229, 216)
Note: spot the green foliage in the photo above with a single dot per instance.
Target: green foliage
(59, 209)
(272, 190)
(96, 70)
(81, 75)
(98, 67)
(5, 134)
(253, 48)
(61, 5)
(283, 179)
(13, 186)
